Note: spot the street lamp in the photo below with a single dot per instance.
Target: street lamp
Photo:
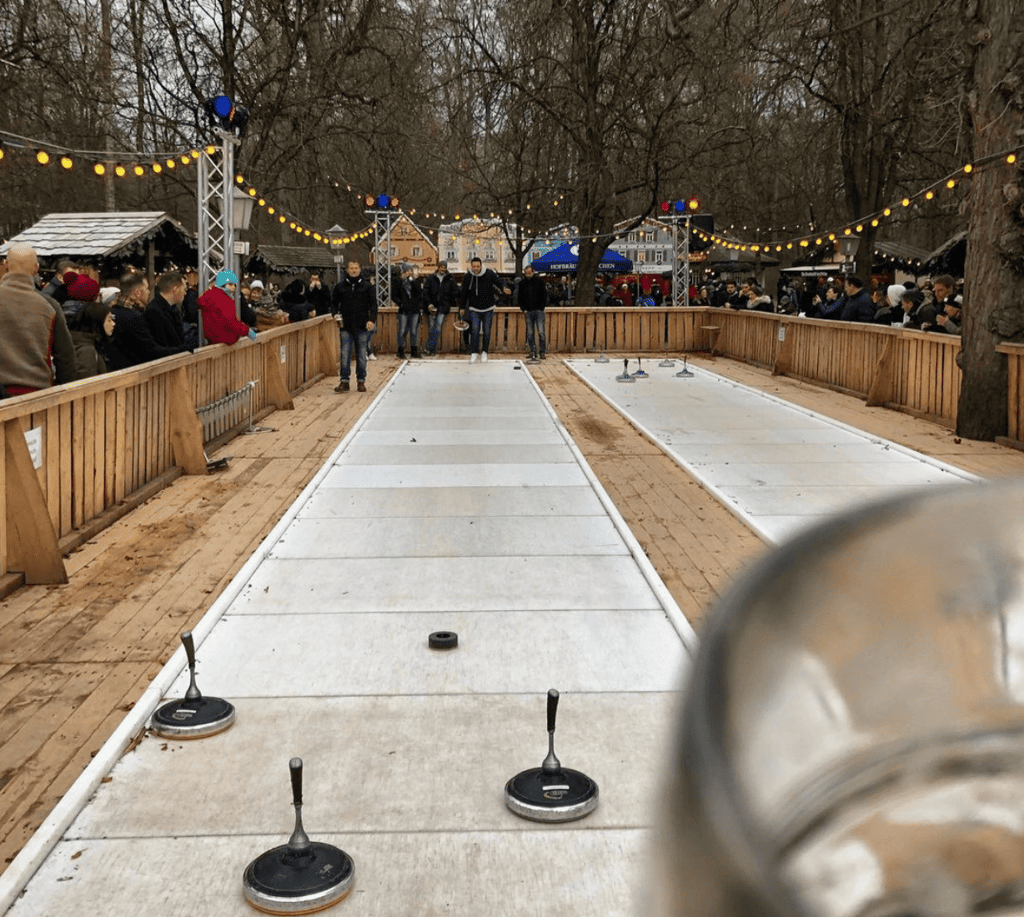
(335, 235)
(848, 249)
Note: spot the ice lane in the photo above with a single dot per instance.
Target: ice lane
(458, 505)
(779, 467)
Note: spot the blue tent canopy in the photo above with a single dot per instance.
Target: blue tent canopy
(567, 256)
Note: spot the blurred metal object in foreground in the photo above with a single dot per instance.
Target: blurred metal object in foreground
(852, 738)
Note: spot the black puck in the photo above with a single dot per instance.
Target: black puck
(289, 881)
(443, 640)
(194, 718)
(541, 795)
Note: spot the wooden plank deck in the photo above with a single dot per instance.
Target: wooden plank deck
(75, 658)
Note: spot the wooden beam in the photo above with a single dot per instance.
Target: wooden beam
(784, 352)
(273, 377)
(32, 546)
(185, 427)
(882, 381)
(330, 349)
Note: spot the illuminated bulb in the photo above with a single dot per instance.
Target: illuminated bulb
(804, 243)
(120, 171)
(905, 202)
(252, 192)
(270, 210)
(194, 154)
(831, 237)
(100, 169)
(951, 184)
(291, 225)
(239, 179)
(185, 160)
(66, 162)
(860, 227)
(789, 245)
(171, 163)
(1012, 158)
(968, 169)
(210, 150)
(43, 158)
(887, 212)
(874, 222)
(817, 241)
(262, 202)
(281, 218)
(139, 171)
(928, 195)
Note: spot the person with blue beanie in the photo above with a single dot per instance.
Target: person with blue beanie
(220, 323)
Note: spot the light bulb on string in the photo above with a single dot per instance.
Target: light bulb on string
(100, 169)
(139, 171)
(43, 158)
(66, 162)
(120, 171)
(157, 168)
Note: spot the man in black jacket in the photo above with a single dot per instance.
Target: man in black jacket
(354, 306)
(478, 288)
(163, 314)
(532, 294)
(857, 307)
(441, 293)
(132, 343)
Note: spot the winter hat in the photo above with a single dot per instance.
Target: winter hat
(109, 294)
(223, 278)
(83, 288)
(895, 293)
(256, 285)
(69, 278)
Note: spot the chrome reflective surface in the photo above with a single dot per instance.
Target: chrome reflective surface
(852, 738)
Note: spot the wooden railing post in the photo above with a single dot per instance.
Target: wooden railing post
(273, 376)
(31, 542)
(882, 378)
(784, 353)
(185, 427)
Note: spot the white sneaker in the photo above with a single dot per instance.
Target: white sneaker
(472, 358)
(373, 356)
(483, 356)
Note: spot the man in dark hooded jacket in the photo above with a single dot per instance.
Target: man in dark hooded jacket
(857, 307)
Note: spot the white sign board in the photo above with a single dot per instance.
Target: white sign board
(284, 354)
(34, 441)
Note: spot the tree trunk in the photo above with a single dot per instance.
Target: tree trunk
(993, 307)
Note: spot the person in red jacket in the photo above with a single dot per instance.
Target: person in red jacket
(217, 304)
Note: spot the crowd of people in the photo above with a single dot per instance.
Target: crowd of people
(75, 326)
(935, 305)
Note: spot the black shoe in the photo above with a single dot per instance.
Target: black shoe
(342, 386)
(400, 355)
(361, 386)
(414, 354)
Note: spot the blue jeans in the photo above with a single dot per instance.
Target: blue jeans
(362, 341)
(480, 330)
(535, 329)
(408, 324)
(436, 322)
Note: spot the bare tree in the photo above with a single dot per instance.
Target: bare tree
(994, 304)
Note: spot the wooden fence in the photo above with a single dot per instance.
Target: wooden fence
(912, 370)
(1014, 393)
(78, 456)
(75, 452)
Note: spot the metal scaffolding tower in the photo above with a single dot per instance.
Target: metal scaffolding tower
(382, 222)
(215, 195)
(681, 274)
